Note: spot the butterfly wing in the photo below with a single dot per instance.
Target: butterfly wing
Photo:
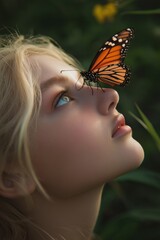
(108, 64)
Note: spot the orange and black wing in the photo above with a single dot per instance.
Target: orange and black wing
(108, 64)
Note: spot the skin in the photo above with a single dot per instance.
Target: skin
(73, 149)
(74, 152)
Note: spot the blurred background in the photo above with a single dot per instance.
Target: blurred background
(131, 204)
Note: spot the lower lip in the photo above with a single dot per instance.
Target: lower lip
(122, 131)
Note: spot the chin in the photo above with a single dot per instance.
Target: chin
(136, 153)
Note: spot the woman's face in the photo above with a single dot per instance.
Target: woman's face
(81, 140)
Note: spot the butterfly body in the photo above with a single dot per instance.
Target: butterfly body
(108, 65)
(92, 76)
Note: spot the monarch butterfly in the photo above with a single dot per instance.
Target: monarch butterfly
(108, 65)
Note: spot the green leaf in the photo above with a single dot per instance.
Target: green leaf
(144, 121)
(146, 177)
(152, 214)
(142, 12)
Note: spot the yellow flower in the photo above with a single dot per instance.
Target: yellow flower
(110, 10)
(105, 12)
(98, 13)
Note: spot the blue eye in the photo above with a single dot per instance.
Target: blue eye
(64, 99)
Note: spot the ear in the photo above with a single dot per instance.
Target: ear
(15, 184)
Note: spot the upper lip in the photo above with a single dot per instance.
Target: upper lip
(120, 121)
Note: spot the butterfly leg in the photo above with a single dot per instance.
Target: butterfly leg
(99, 86)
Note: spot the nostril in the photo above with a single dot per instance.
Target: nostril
(111, 106)
(112, 99)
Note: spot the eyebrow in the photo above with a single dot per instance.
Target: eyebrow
(51, 81)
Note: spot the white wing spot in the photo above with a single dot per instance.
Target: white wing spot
(114, 38)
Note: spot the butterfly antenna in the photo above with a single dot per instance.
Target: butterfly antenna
(67, 70)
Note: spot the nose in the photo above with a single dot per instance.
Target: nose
(106, 100)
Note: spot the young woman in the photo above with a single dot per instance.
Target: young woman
(59, 143)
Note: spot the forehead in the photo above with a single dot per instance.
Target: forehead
(51, 67)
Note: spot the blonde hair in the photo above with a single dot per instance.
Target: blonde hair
(20, 100)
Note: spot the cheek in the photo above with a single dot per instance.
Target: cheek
(68, 159)
(71, 157)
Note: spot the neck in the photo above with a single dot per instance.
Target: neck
(69, 219)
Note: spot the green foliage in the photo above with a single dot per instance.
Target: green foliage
(145, 122)
(131, 205)
(153, 11)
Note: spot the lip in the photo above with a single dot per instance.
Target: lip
(120, 128)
